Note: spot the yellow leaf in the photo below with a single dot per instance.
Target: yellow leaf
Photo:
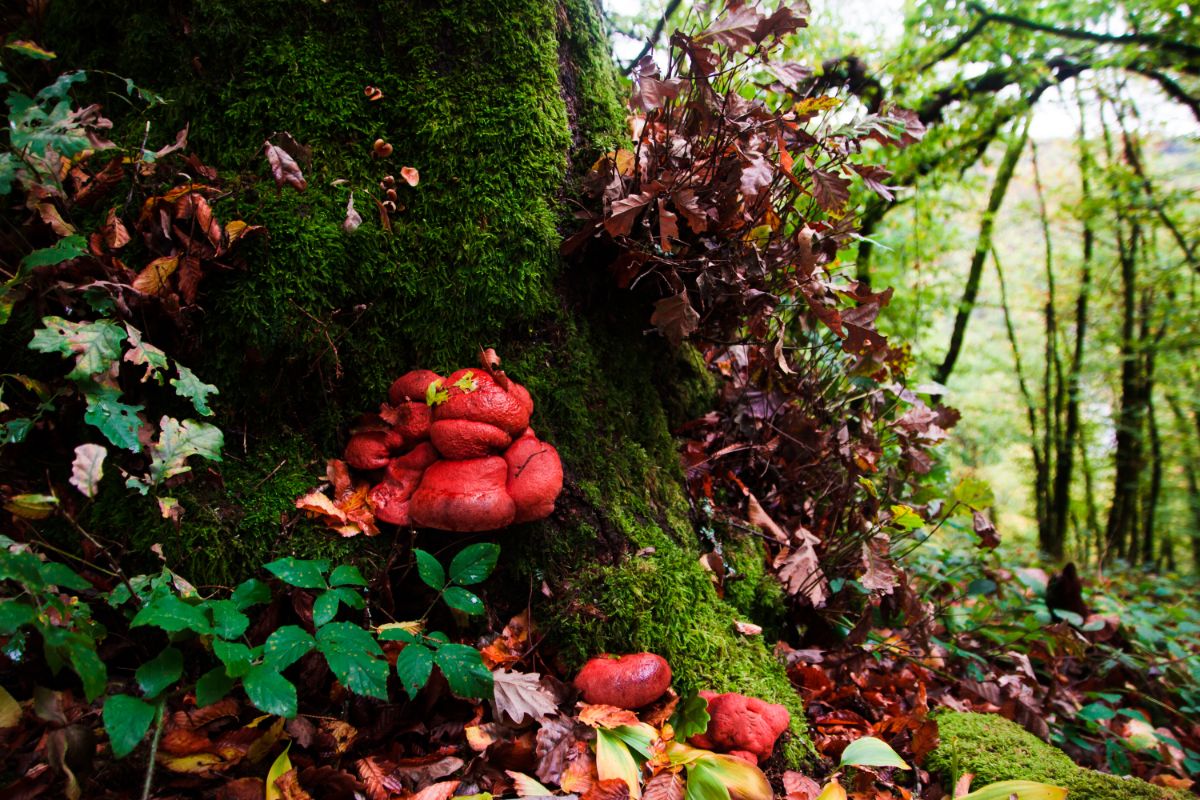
(10, 709)
(743, 780)
(153, 278)
(31, 506)
(282, 764)
(832, 791)
(811, 104)
(1021, 790)
(613, 760)
(196, 764)
(263, 744)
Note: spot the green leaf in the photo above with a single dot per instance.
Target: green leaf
(463, 600)
(236, 657)
(325, 608)
(287, 645)
(269, 691)
(171, 614)
(116, 420)
(414, 666)
(906, 518)
(351, 653)
(95, 345)
(228, 621)
(435, 395)
(871, 752)
(31, 506)
(189, 386)
(280, 767)
(690, 718)
(739, 778)
(615, 762)
(56, 574)
(61, 86)
(31, 49)
(92, 672)
(464, 670)
(1021, 790)
(60, 251)
(702, 784)
(250, 593)
(473, 564)
(177, 441)
(160, 672)
(15, 430)
(300, 573)
(429, 569)
(346, 575)
(13, 615)
(141, 352)
(1096, 712)
(126, 719)
(974, 494)
(213, 686)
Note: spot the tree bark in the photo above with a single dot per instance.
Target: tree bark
(500, 105)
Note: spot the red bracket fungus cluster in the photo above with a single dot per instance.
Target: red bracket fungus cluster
(630, 681)
(742, 726)
(457, 453)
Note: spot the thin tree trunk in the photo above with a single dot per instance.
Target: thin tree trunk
(1150, 510)
(1191, 472)
(1089, 494)
(967, 304)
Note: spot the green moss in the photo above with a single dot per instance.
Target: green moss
(590, 82)
(995, 749)
(751, 588)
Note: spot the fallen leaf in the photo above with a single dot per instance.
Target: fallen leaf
(800, 787)
(410, 175)
(353, 218)
(675, 318)
(284, 168)
(88, 468)
(520, 695)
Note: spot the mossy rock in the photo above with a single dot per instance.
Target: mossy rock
(995, 749)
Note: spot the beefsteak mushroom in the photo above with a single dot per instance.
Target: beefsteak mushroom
(742, 726)
(629, 681)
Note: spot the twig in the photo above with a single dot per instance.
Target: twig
(158, 729)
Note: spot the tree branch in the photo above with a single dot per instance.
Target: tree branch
(654, 37)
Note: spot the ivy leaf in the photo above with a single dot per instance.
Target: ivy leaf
(172, 615)
(95, 345)
(691, 717)
(462, 600)
(178, 441)
(63, 250)
(300, 573)
(251, 592)
(287, 645)
(88, 468)
(189, 386)
(126, 719)
(160, 672)
(228, 620)
(212, 686)
(346, 575)
(464, 670)
(236, 657)
(269, 691)
(118, 421)
(414, 666)
(473, 564)
(430, 569)
(352, 653)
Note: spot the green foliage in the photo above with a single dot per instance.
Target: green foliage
(462, 666)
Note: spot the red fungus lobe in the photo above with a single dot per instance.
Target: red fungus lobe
(630, 681)
(390, 500)
(411, 386)
(474, 395)
(368, 450)
(419, 458)
(464, 496)
(410, 421)
(458, 439)
(535, 477)
(743, 724)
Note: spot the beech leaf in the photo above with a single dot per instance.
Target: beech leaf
(675, 318)
(521, 696)
(88, 468)
(284, 168)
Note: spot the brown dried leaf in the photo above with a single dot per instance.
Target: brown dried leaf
(611, 789)
(116, 235)
(663, 786)
(880, 574)
(284, 168)
(763, 520)
(154, 277)
(675, 318)
(289, 786)
(800, 570)
(437, 791)
(520, 695)
(985, 529)
(601, 716)
(373, 778)
(800, 787)
(831, 191)
(624, 212)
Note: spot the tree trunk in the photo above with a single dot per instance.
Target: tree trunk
(498, 104)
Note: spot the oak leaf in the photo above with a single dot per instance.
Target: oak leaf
(520, 695)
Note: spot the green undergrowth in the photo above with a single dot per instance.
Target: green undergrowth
(995, 749)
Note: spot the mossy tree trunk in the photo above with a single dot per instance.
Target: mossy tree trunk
(498, 104)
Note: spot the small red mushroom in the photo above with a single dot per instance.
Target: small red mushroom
(458, 439)
(629, 681)
(474, 395)
(741, 725)
(368, 450)
(535, 477)
(464, 496)
(411, 386)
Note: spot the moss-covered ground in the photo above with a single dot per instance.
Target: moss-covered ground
(496, 103)
(995, 749)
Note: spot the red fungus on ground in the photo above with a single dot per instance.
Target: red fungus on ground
(368, 450)
(475, 395)
(535, 477)
(464, 496)
(742, 726)
(411, 386)
(459, 439)
(629, 681)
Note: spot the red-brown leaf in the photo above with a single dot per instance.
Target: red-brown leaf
(284, 168)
